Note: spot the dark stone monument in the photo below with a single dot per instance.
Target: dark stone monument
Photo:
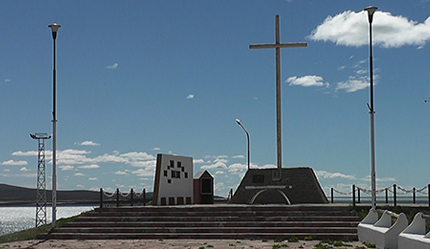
(279, 186)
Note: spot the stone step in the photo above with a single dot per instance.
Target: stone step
(220, 213)
(214, 224)
(227, 208)
(189, 230)
(221, 207)
(143, 218)
(167, 236)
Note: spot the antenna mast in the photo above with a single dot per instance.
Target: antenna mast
(41, 178)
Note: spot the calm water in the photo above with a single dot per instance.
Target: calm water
(13, 219)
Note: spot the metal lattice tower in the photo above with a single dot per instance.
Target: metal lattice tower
(41, 179)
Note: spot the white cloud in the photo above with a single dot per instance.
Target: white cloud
(120, 173)
(93, 179)
(79, 174)
(107, 158)
(361, 71)
(113, 66)
(21, 153)
(267, 166)
(139, 159)
(237, 168)
(217, 157)
(7, 80)
(238, 156)
(354, 83)
(219, 186)
(138, 156)
(198, 161)
(80, 186)
(66, 167)
(87, 143)
(92, 166)
(340, 187)
(24, 169)
(190, 96)
(307, 81)
(384, 179)
(351, 29)
(143, 164)
(71, 157)
(14, 163)
(143, 172)
(108, 190)
(81, 157)
(325, 174)
(219, 163)
(156, 148)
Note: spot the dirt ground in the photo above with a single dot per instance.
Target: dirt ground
(159, 244)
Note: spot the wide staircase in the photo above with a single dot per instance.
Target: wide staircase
(212, 222)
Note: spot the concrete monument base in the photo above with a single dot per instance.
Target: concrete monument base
(279, 186)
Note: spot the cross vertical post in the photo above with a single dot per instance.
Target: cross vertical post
(278, 45)
(278, 95)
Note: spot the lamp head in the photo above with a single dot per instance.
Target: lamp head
(370, 11)
(54, 27)
(238, 122)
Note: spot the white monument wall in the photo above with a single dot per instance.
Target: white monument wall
(173, 183)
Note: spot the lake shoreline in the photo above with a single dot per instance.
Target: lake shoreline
(62, 203)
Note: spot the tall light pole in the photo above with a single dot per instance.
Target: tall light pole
(370, 11)
(247, 136)
(54, 28)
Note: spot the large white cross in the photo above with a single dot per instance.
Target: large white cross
(278, 45)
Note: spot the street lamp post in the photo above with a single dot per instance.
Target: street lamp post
(370, 11)
(247, 136)
(54, 28)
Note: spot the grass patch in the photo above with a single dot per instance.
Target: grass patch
(322, 246)
(32, 233)
(25, 234)
(341, 243)
(369, 245)
(293, 239)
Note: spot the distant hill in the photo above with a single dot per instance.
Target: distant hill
(10, 195)
(20, 195)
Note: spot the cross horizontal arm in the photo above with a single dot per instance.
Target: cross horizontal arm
(281, 45)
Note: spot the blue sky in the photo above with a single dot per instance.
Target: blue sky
(137, 78)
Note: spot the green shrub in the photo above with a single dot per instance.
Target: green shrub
(293, 239)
